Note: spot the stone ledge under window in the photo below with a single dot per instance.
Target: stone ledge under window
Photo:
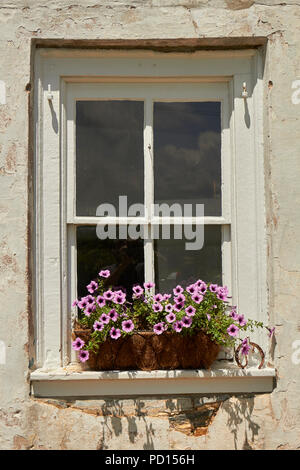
(227, 378)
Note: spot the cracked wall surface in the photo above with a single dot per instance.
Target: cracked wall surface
(268, 421)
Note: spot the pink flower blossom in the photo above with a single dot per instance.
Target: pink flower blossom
(83, 355)
(119, 298)
(171, 317)
(138, 291)
(202, 288)
(104, 273)
(166, 296)
(241, 319)
(157, 307)
(186, 322)
(127, 326)
(233, 315)
(271, 331)
(78, 344)
(159, 328)
(169, 308)
(101, 301)
(180, 298)
(89, 310)
(178, 307)
(177, 290)
(197, 298)
(108, 295)
(149, 285)
(115, 333)
(92, 287)
(75, 303)
(98, 326)
(177, 326)
(113, 314)
(192, 289)
(213, 288)
(233, 330)
(104, 318)
(158, 298)
(208, 316)
(190, 311)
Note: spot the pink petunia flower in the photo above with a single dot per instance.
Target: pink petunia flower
(115, 333)
(101, 301)
(171, 317)
(149, 285)
(75, 303)
(213, 288)
(157, 307)
(177, 326)
(78, 344)
(92, 287)
(104, 273)
(158, 298)
(105, 318)
(233, 315)
(138, 291)
(159, 328)
(83, 303)
(241, 319)
(197, 298)
(233, 330)
(166, 296)
(186, 322)
(190, 311)
(113, 314)
(177, 290)
(245, 347)
(127, 326)
(208, 316)
(98, 326)
(169, 308)
(180, 298)
(89, 310)
(119, 298)
(108, 295)
(202, 288)
(83, 355)
(192, 289)
(178, 307)
(271, 331)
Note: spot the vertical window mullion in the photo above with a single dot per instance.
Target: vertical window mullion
(149, 188)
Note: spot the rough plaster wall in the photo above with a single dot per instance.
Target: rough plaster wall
(264, 421)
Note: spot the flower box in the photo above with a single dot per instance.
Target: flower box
(147, 351)
(147, 331)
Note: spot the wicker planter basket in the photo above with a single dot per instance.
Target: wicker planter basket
(148, 351)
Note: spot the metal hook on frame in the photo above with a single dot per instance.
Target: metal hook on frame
(245, 92)
(49, 94)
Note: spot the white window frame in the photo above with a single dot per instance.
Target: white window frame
(64, 73)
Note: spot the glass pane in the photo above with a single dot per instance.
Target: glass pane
(176, 265)
(124, 259)
(109, 154)
(187, 154)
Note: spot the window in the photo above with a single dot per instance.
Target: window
(157, 128)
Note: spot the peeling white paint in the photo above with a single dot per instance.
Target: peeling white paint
(2, 353)
(2, 92)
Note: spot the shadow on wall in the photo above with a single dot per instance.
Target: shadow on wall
(191, 416)
(239, 411)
